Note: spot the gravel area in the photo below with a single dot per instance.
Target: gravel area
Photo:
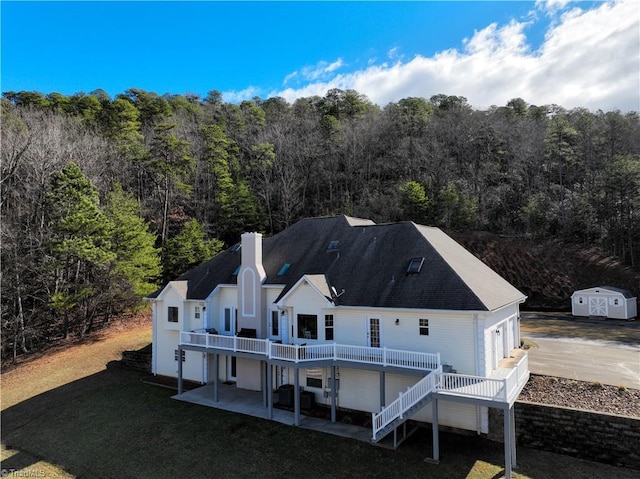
(582, 395)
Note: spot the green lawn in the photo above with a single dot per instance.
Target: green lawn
(109, 424)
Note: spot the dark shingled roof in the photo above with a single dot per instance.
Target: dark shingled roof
(370, 263)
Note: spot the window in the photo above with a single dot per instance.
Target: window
(275, 329)
(415, 265)
(175, 355)
(328, 327)
(314, 377)
(283, 270)
(172, 314)
(616, 302)
(580, 300)
(196, 312)
(308, 326)
(424, 327)
(227, 320)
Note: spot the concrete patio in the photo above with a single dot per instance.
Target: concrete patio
(251, 403)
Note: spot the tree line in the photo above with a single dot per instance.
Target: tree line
(105, 198)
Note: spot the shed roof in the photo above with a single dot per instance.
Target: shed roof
(369, 262)
(610, 289)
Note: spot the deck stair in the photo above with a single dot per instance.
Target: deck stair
(408, 403)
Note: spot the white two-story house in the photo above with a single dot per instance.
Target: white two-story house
(397, 320)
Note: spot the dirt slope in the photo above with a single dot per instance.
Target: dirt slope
(548, 272)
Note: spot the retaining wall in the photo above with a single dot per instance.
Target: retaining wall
(601, 437)
(140, 360)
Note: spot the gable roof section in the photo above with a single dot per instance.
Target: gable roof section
(181, 287)
(318, 283)
(370, 265)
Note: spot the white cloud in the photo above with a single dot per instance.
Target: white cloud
(319, 71)
(241, 95)
(589, 59)
(552, 6)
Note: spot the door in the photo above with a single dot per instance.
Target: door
(274, 325)
(500, 343)
(598, 306)
(230, 321)
(373, 332)
(231, 368)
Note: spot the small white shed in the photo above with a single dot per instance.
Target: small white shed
(604, 301)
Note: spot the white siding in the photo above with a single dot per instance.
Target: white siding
(359, 390)
(306, 300)
(506, 320)
(450, 335)
(166, 365)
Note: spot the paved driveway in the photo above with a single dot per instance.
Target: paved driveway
(585, 360)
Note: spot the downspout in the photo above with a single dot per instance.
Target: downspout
(205, 356)
(475, 344)
(154, 340)
(476, 349)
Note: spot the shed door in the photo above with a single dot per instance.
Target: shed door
(597, 306)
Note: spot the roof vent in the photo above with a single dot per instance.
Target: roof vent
(415, 265)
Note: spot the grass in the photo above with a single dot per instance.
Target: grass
(102, 422)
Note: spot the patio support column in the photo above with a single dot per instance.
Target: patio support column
(216, 378)
(382, 389)
(270, 390)
(333, 393)
(434, 430)
(263, 383)
(179, 369)
(512, 412)
(507, 443)
(296, 396)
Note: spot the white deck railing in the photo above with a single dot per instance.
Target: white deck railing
(473, 386)
(404, 403)
(315, 352)
(497, 389)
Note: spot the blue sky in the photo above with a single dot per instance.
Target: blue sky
(488, 51)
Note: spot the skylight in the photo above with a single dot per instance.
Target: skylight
(283, 270)
(236, 271)
(333, 245)
(415, 265)
(236, 247)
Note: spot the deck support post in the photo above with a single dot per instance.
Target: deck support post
(263, 383)
(296, 395)
(382, 389)
(216, 377)
(333, 393)
(434, 430)
(179, 369)
(507, 443)
(512, 412)
(270, 390)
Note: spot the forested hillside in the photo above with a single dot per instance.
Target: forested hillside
(104, 198)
